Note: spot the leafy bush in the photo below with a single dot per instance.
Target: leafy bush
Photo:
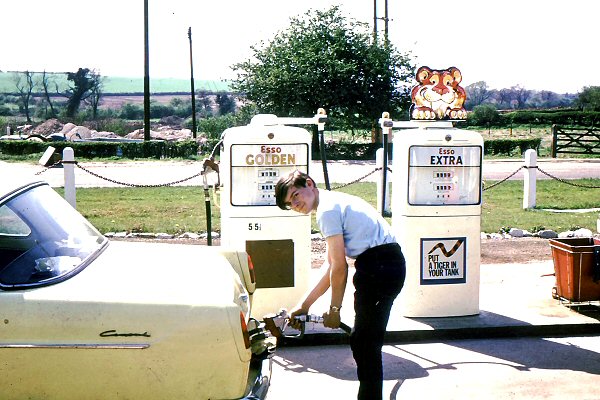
(5, 110)
(484, 115)
(508, 146)
(131, 111)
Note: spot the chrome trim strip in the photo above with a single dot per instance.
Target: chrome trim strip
(126, 346)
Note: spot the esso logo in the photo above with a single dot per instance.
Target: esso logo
(269, 149)
(446, 151)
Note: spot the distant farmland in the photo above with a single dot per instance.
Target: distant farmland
(122, 85)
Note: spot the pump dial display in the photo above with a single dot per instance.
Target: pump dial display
(256, 168)
(444, 175)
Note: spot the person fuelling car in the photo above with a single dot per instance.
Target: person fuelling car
(354, 229)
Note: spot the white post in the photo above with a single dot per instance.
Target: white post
(69, 171)
(379, 164)
(8, 130)
(529, 180)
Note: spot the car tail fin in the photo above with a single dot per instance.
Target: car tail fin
(242, 265)
(245, 330)
(251, 270)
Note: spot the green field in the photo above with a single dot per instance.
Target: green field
(182, 209)
(122, 85)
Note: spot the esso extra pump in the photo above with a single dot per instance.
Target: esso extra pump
(253, 158)
(436, 202)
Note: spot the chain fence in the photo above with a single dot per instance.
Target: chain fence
(357, 180)
(503, 180)
(116, 182)
(549, 175)
(567, 182)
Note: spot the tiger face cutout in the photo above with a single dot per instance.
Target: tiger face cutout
(438, 95)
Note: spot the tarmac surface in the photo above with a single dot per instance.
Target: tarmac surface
(515, 300)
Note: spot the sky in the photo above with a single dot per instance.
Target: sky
(537, 44)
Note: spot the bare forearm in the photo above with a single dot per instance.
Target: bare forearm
(318, 290)
(339, 277)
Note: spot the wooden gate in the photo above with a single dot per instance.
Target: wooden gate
(575, 140)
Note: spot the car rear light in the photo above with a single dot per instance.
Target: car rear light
(245, 330)
(251, 270)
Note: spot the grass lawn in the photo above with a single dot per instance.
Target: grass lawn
(182, 209)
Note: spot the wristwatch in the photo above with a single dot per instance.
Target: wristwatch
(334, 309)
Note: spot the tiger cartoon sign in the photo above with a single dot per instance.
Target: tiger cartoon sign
(438, 95)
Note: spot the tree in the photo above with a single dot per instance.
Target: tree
(504, 97)
(95, 92)
(477, 94)
(45, 83)
(521, 95)
(86, 83)
(226, 103)
(325, 60)
(24, 84)
(204, 104)
(589, 99)
(484, 115)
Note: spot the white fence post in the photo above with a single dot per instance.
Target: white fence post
(529, 179)
(69, 171)
(379, 164)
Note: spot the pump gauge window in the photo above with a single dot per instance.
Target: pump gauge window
(444, 175)
(256, 168)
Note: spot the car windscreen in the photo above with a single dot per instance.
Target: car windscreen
(43, 239)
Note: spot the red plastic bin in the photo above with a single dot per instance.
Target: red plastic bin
(575, 263)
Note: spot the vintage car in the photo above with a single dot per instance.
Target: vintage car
(85, 318)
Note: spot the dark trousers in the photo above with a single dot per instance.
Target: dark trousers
(379, 277)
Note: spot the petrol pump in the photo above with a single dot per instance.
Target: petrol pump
(253, 158)
(436, 202)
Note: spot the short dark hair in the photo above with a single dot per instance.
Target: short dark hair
(295, 178)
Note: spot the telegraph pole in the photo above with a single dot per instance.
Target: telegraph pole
(192, 85)
(386, 20)
(146, 76)
(374, 21)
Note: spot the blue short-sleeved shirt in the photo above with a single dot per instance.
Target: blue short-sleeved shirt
(360, 224)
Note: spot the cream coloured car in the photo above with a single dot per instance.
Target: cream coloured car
(85, 318)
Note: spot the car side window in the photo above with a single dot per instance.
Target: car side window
(14, 233)
(43, 240)
(11, 224)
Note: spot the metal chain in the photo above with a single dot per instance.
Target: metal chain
(503, 180)
(567, 182)
(136, 185)
(334, 188)
(359, 179)
(47, 168)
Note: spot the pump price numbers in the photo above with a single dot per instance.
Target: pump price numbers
(256, 168)
(444, 175)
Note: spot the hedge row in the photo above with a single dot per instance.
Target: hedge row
(508, 147)
(149, 149)
(187, 149)
(562, 117)
(542, 117)
(366, 151)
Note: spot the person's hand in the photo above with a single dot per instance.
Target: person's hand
(331, 319)
(295, 312)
